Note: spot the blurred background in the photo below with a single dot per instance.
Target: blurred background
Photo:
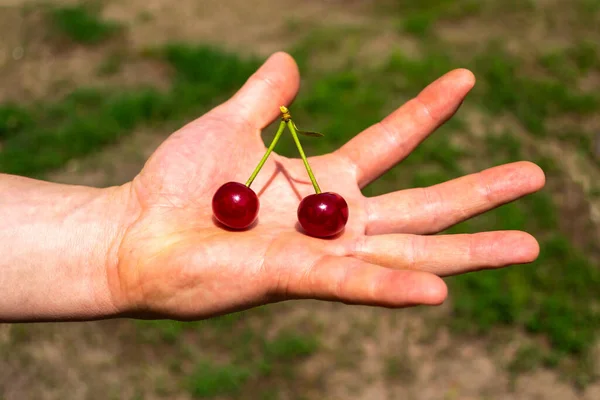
(89, 89)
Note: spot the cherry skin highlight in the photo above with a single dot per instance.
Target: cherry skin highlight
(323, 214)
(235, 205)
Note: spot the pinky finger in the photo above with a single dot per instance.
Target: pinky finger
(352, 281)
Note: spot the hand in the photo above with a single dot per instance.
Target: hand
(174, 261)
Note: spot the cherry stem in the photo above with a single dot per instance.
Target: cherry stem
(269, 150)
(292, 129)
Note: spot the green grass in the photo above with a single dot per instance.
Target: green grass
(528, 358)
(570, 63)
(253, 360)
(13, 119)
(534, 104)
(399, 366)
(558, 65)
(585, 55)
(161, 331)
(209, 380)
(419, 24)
(399, 369)
(553, 300)
(168, 331)
(288, 346)
(419, 17)
(82, 24)
(80, 124)
(328, 103)
(256, 360)
(45, 136)
(504, 146)
(112, 64)
(536, 101)
(145, 16)
(588, 7)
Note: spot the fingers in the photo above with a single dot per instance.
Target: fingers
(449, 254)
(435, 208)
(275, 83)
(384, 144)
(352, 281)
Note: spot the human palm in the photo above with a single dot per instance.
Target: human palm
(175, 260)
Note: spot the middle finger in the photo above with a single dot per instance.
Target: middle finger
(435, 208)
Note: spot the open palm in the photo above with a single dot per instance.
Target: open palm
(174, 260)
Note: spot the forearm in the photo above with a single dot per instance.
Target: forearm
(58, 244)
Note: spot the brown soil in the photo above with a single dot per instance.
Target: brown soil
(35, 63)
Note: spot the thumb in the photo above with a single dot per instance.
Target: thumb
(274, 84)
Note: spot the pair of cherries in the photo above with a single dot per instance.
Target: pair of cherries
(236, 206)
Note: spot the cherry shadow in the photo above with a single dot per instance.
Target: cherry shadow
(279, 169)
(301, 230)
(218, 224)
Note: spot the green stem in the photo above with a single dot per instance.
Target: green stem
(269, 150)
(292, 129)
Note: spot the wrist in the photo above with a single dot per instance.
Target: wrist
(116, 208)
(59, 244)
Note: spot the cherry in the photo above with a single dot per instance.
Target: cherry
(323, 214)
(320, 214)
(235, 205)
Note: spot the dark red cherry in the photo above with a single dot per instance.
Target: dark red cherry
(323, 214)
(235, 205)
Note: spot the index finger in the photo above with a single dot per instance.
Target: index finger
(381, 146)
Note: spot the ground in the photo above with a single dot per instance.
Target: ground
(526, 333)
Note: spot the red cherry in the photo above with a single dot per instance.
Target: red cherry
(235, 205)
(323, 214)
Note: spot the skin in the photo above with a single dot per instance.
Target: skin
(151, 249)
